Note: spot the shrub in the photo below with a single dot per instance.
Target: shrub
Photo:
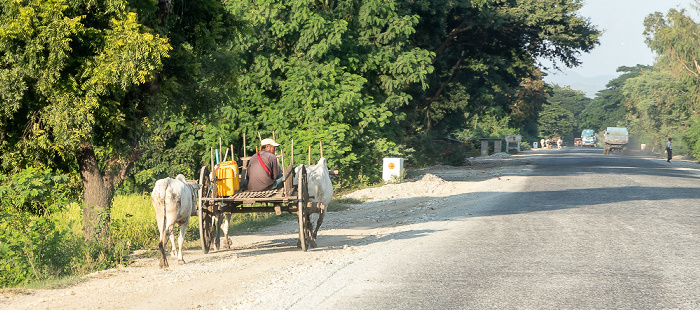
(37, 191)
(34, 248)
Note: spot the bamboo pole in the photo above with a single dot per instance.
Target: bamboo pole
(219, 159)
(211, 156)
(245, 154)
(259, 137)
(225, 155)
(282, 151)
(273, 136)
(232, 158)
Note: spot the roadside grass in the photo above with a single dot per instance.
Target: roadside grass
(55, 283)
(342, 204)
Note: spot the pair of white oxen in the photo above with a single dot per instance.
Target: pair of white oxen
(174, 201)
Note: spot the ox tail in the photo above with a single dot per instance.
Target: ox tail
(167, 229)
(169, 201)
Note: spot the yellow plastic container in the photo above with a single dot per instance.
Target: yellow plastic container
(227, 178)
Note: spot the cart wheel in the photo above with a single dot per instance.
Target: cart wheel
(303, 199)
(206, 210)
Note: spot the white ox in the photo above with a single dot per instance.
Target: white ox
(320, 188)
(174, 201)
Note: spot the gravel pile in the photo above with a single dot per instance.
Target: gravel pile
(500, 155)
(426, 185)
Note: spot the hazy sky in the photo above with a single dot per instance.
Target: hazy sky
(622, 43)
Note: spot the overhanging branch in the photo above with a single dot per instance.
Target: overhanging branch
(438, 93)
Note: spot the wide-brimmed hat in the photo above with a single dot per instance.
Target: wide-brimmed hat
(269, 141)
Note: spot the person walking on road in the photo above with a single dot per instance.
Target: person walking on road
(669, 153)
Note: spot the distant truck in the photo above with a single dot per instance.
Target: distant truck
(588, 138)
(616, 139)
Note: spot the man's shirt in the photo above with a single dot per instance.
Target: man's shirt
(258, 178)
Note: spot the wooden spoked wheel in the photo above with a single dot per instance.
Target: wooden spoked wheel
(302, 201)
(206, 210)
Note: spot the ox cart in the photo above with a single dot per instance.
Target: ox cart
(216, 199)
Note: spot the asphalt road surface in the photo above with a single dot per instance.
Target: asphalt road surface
(587, 231)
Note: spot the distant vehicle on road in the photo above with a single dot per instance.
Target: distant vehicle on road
(588, 138)
(616, 139)
(577, 142)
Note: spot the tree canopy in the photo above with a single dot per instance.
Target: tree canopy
(84, 82)
(487, 56)
(607, 109)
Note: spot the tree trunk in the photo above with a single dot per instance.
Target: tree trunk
(163, 10)
(97, 196)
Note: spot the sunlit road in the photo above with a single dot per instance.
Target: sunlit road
(587, 231)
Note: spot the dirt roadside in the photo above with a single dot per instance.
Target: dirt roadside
(266, 270)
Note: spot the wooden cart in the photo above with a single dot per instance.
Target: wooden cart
(290, 198)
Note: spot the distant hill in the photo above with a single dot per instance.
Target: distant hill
(589, 85)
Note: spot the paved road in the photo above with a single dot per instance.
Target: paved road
(586, 232)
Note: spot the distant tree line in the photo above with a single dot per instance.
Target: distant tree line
(653, 101)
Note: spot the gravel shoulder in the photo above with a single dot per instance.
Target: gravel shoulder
(265, 270)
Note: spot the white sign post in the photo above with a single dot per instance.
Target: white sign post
(392, 169)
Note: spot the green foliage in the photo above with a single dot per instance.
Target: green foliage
(526, 105)
(482, 61)
(674, 38)
(326, 72)
(657, 106)
(556, 121)
(567, 99)
(37, 191)
(691, 139)
(664, 102)
(134, 221)
(34, 248)
(607, 109)
(68, 76)
(430, 150)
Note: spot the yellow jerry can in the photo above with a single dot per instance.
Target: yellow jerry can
(227, 181)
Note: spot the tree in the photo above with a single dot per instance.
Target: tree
(607, 108)
(83, 82)
(556, 121)
(672, 107)
(334, 71)
(573, 101)
(527, 103)
(674, 38)
(486, 53)
(657, 105)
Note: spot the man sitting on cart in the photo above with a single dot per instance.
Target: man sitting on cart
(263, 169)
